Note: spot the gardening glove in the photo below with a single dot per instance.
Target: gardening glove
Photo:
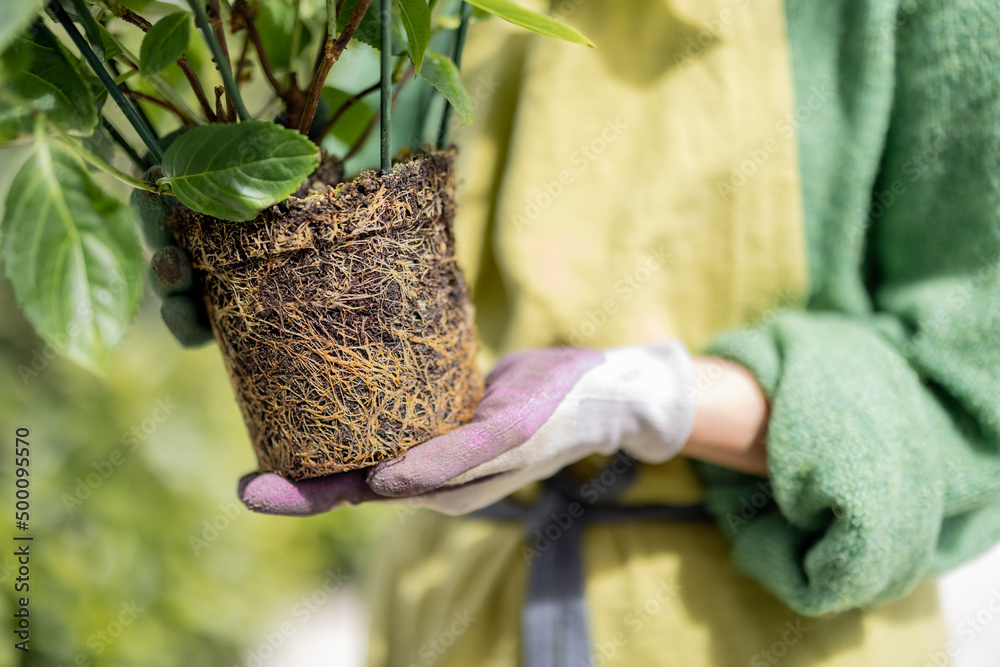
(543, 410)
(170, 272)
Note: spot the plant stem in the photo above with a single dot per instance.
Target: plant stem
(135, 94)
(385, 89)
(456, 56)
(133, 69)
(407, 77)
(331, 19)
(331, 53)
(219, 111)
(135, 19)
(141, 128)
(81, 151)
(131, 17)
(122, 78)
(125, 145)
(293, 48)
(196, 86)
(215, 19)
(241, 62)
(348, 103)
(155, 80)
(221, 60)
(247, 15)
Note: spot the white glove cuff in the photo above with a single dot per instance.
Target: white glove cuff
(639, 400)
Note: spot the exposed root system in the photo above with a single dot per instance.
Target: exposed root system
(343, 318)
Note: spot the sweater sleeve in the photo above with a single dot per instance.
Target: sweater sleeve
(884, 436)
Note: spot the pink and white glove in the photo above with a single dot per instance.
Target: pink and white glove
(543, 410)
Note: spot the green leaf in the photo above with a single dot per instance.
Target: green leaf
(274, 21)
(370, 29)
(531, 20)
(16, 15)
(111, 48)
(100, 144)
(440, 72)
(72, 256)
(40, 72)
(416, 17)
(233, 170)
(14, 121)
(353, 122)
(79, 12)
(165, 42)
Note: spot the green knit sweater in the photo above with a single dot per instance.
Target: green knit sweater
(884, 438)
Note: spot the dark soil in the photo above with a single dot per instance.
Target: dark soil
(343, 318)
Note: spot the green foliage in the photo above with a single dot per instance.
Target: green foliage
(108, 44)
(84, 239)
(370, 29)
(81, 14)
(352, 122)
(531, 20)
(232, 171)
(416, 18)
(441, 73)
(40, 72)
(275, 21)
(165, 42)
(13, 121)
(72, 256)
(153, 210)
(16, 15)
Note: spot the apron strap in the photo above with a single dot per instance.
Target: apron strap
(554, 627)
(555, 631)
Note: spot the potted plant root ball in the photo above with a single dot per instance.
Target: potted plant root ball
(344, 321)
(343, 318)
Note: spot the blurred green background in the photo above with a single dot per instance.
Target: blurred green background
(113, 529)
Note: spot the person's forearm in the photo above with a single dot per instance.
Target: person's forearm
(730, 424)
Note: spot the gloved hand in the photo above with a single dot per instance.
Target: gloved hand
(543, 410)
(170, 273)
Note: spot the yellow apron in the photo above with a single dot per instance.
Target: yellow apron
(591, 213)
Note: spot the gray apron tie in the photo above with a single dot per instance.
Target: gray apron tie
(555, 631)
